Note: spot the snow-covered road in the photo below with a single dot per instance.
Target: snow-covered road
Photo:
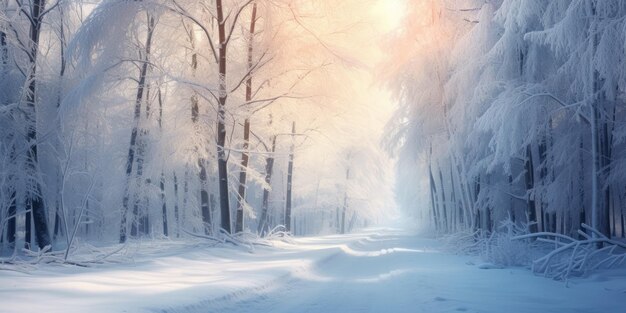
(396, 272)
(379, 270)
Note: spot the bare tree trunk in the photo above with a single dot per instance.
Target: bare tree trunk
(529, 178)
(37, 204)
(241, 192)
(290, 180)
(222, 162)
(176, 208)
(163, 205)
(28, 237)
(453, 210)
(433, 195)
(511, 204)
(162, 181)
(4, 51)
(269, 168)
(444, 213)
(204, 198)
(476, 217)
(595, 133)
(623, 211)
(202, 173)
(133, 146)
(58, 230)
(582, 216)
(138, 223)
(606, 149)
(11, 221)
(185, 197)
(540, 186)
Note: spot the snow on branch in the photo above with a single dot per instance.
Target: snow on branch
(573, 257)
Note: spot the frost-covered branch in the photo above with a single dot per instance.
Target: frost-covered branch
(577, 257)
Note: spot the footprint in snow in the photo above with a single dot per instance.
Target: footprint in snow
(461, 309)
(440, 299)
(489, 266)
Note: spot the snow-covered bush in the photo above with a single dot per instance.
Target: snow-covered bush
(497, 248)
(500, 249)
(552, 255)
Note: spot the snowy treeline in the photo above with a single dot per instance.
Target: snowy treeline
(124, 119)
(512, 109)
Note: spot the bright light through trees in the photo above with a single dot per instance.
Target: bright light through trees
(144, 111)
(312, 155)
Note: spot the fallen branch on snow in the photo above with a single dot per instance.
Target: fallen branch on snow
(573, 257)
(29, 260)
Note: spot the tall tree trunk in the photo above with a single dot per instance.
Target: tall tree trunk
(290, 180)
(623, 210)
(11, 223)
(453, 202)
(241, 192)
(433, 195)
(606, 157)
(202, 173)
(162, 181)
(185, 197)
(488, 216)
(4, 51)
(582, 216)
(11, 211)
(163, 205)
(28, 237)
(222, 162)
(596, 128)
(511, 204)
(444, 213)
(269, 168)
(477, 217)
(542, 148)
(204, 198)
(133, 146)
(595, 170)
(58, 229)
(138, 223)
(38, 206)
(176, 208)
(529, 179)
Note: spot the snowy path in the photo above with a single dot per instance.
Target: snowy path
(395, 272)
(376, 271)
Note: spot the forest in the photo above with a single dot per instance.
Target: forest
(312, 156)
(159, 118)
(531, 130)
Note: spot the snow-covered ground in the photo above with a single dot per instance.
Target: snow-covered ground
(379, 270)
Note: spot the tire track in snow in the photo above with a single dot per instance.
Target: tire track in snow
(247, 296)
